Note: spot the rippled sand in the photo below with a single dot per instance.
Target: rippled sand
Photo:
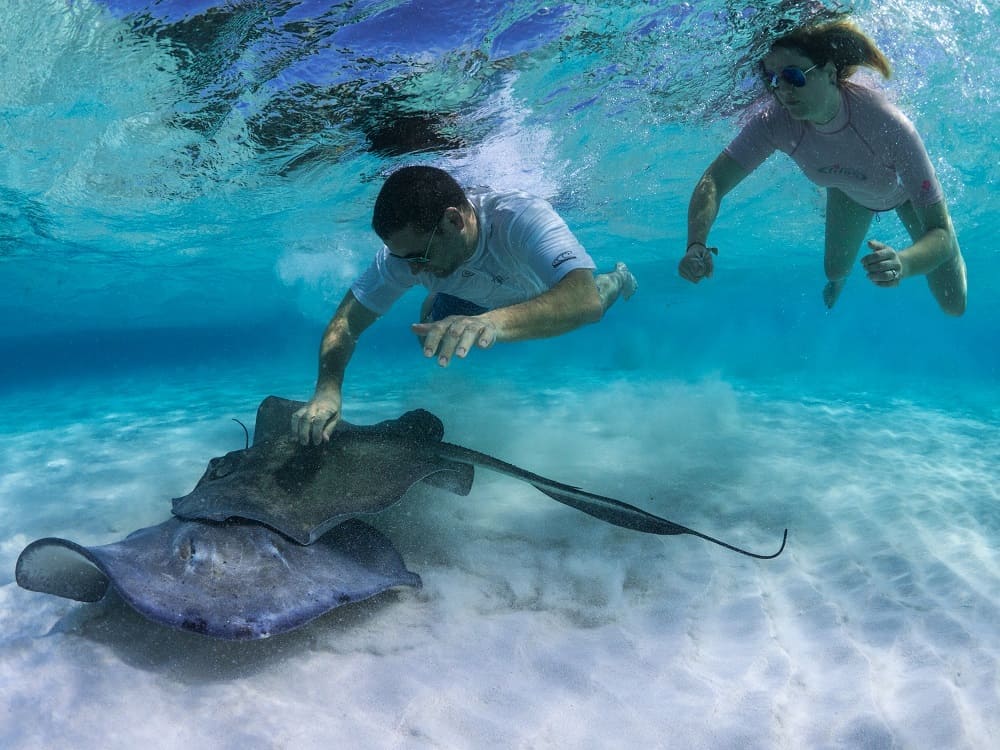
(538, 626)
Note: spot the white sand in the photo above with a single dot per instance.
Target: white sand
(538, 626)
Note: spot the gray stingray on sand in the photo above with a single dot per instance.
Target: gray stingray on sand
(268, 539)
(236, 580)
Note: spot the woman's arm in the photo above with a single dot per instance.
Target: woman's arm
(722, 175)
(933, 245)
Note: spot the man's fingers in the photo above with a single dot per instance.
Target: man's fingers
(321, 425)
(433, 340)
(487, 337)
(314, 427)
(317, 428)
(315, 431)
(300, 425)
(468, 340)
(331, 425)
(449, 342)
(455, 336)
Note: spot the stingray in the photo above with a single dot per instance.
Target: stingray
(236, 580)
(302, 491)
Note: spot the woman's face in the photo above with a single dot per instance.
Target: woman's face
(817, 100)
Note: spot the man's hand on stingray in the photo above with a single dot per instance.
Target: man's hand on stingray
(314, 422)
(455, 336)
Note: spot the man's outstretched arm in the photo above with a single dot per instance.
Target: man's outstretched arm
(571, 303)
(314, 422)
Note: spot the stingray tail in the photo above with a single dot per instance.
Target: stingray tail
(628, 516)
(604, 508)
(713, 540)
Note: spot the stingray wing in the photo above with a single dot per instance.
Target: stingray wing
(274, 420)
(235, 581)
(302, 491)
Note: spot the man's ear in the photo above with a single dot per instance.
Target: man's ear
(454, 217)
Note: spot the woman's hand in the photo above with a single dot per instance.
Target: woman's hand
(884, 265)
(697, 263)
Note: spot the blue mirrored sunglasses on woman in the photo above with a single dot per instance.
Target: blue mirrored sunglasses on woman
(792, 74)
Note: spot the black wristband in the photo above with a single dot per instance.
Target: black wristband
(692, 244)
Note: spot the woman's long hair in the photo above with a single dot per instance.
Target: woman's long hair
(839, 42)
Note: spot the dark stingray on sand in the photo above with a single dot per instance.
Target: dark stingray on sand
(304, 490)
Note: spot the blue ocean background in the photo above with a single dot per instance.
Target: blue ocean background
(185, 196)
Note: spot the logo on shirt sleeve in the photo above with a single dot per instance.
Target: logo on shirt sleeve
(563, 257)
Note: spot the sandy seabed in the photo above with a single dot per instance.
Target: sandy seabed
(538, 626)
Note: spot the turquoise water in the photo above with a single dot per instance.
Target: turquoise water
(185, 191)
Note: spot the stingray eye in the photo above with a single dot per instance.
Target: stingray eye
(219, 468)
(185, 550)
